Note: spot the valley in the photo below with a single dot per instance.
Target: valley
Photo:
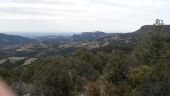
(20, 47)
(87, 64)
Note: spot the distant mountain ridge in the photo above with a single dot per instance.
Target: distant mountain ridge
(6, 40)
(10, 40)
(86, 36)
(82, 37)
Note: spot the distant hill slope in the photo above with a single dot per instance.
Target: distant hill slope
(148, 28)
(6, 40)
(86, 36)
(83, 37)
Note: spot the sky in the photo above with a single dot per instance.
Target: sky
(80, 15)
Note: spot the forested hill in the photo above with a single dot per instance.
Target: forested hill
(13, 40)
(128, 69)
(148, 28)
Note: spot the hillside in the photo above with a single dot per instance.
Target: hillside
(86, 36)
(117, 64)
(82, 37)
(148, 28)
(11, 40)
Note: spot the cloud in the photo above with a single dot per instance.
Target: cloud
(79, 15)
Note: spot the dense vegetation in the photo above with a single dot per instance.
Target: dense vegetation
(143, 71)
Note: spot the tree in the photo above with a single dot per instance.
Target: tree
(151, 47)
(139, 75)
(6, 75)
(52, 77)
(116, 70)
(98, 61)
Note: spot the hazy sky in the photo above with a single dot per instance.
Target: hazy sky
(80, 15)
